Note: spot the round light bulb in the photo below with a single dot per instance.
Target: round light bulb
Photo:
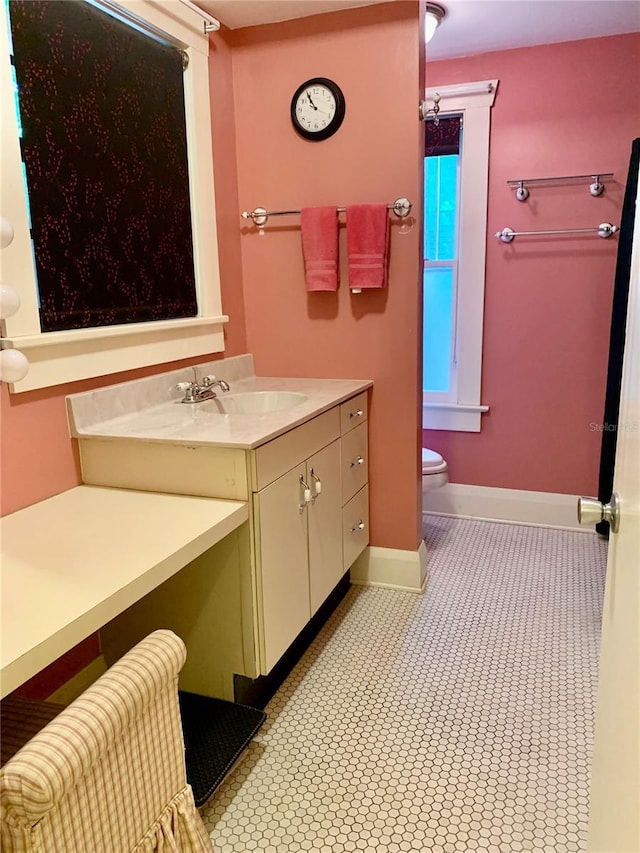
(430, 26)
(6, 232)
(435, 13)
(13, 365)
(9, 301)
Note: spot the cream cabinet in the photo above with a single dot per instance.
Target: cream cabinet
(308, 496)
(298, 528)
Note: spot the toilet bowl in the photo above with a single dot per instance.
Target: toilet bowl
(434, 470)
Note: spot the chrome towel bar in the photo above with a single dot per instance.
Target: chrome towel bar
(595, 189)
(605, 229)
(401, 207)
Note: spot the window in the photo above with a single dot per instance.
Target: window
(456, 179)
(107, 172)
(117, 340)
(441, 258)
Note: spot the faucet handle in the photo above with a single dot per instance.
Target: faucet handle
(207, 380)
(184, 386)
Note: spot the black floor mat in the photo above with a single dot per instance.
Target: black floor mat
(215, 735)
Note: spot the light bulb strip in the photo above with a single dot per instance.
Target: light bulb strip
(14, 364)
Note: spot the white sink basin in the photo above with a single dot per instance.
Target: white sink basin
(253, 402)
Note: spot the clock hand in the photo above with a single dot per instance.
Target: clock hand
(311, 102)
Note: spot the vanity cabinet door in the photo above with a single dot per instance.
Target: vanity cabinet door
(282, 564)
(325, 523)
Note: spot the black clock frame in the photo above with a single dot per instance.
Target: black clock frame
(335, 122)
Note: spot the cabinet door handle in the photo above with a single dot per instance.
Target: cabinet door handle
(307, 490)
(359, 526)
(359, 460)
(317, 483)
(357, 414)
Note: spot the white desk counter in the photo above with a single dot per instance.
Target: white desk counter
(75, 561)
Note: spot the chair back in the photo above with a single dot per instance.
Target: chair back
(107, 775)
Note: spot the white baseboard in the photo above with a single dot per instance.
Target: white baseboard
(511, 506)
(392, 568)
(70, 690)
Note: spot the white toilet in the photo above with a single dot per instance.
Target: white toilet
(434, 471)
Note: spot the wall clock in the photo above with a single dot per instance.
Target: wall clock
(317, 109)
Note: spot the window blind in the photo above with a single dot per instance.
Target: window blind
(105, 155)
(443, 139)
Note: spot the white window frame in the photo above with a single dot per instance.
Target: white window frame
(65, 356)
(473, 101)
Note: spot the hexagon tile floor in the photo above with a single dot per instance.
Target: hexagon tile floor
(455, 721)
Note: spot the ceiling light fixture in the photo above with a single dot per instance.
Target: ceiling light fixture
(435, 13)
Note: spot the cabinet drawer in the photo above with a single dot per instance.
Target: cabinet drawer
(353, 412)
(355, 527)
(355, 462)
(276, 457)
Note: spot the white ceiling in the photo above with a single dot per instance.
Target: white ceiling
(478, 26)
(249, 13)
(471, 26)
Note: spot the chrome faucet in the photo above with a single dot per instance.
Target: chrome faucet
(196, 392)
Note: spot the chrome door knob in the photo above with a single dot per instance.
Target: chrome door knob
(592, 511)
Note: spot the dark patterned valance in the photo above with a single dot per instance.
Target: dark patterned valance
(443, 139)
(104, 147)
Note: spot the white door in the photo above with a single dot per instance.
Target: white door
(325, 523)
(282, 564)
(614, 819)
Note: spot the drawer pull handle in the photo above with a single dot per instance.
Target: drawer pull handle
(359, 460)
(359, 526)
(317, 484)
(357, 414)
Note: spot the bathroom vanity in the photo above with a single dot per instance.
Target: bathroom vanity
(294, 449)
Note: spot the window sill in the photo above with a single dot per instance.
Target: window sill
(58, 357)
(452, 416)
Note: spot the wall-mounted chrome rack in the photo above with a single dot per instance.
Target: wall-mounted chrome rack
(605, 229)
(596, 188)
(401, 207)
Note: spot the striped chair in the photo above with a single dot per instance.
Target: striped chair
(107, 775)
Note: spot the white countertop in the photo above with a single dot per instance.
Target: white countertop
(75, 561)
(150, 409)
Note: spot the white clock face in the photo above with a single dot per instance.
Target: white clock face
(315, 108)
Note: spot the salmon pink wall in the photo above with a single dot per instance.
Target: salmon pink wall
(226, 188)
(560, 109)
(374, 55)
(39, 459)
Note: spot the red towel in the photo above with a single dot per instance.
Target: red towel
(367, 245)
(320, 247)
